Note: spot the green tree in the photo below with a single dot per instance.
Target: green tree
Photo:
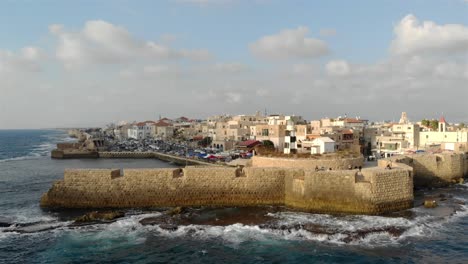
(425, 122)
(462, 125)
(434, 124)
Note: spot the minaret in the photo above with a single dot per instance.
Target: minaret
(442, 124)
(404, 118)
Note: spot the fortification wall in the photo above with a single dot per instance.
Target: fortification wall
(466, 164)
(192, 186)
(307, 163)
(431, 170)
(372, 192)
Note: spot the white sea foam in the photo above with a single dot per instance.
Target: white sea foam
(357, 230)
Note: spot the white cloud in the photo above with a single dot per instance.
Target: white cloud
(100, 42)
(204, 2)
(233, 67)
(55, 28)
(413, 37)
(157, 69)
(327, 32)
(28, 59)
(233, 98)
(338, 68)
(289, 43)
(304, 69)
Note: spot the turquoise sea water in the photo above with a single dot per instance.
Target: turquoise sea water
(32, 235)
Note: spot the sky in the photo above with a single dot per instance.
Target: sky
(90, 63)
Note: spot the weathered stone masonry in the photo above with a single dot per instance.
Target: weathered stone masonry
(374, 191)
(432, 170)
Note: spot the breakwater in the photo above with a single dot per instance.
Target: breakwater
(80, 154)
(372, 191)
(156, 155)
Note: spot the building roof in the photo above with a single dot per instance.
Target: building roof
(353, 120)
(161, 124)
(442, 120)
(347, 132)
(325, 139)
(249, 143)
(140, 124)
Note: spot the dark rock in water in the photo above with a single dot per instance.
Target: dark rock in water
(441, 195)
(4, 224)
(360, 234)
(157, 220)
(175, 211)
(317, 229)
(227, 216)
(99, 216)
(169, 227)
(459, 202)
(430, 203)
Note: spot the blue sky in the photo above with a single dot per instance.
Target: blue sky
(361, 34)
(364, 28)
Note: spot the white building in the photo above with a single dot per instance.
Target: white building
(322, 145)
(449, 140)
(142, 130)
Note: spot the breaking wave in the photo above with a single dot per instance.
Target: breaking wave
(358, 230)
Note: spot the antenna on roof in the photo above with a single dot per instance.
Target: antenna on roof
(265, 112)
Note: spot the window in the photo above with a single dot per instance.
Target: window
(427, 136)
(286, 145)
(264, 132)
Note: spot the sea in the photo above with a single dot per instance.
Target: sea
(30, 234)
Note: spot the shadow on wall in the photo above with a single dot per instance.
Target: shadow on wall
(433, 170)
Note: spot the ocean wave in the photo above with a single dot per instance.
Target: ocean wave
(356, 230)
(42, 149)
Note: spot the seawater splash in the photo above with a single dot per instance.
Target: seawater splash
(358, 230)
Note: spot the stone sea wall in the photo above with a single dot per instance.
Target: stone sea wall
(307, 163)
(432, 170)
(374, 191)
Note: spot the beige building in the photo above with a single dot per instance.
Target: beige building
(274, 133)
(447, 140)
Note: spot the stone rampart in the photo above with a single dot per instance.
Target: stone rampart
(335, 163)
(432, 170)
(466, 164)
(374, 191)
